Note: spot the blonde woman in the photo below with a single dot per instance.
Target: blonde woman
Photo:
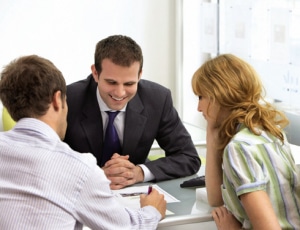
(251, 176)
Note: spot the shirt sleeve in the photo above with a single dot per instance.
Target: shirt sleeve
(244, 168)
(98, 208)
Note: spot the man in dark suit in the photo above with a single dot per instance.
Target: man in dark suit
(146, 113)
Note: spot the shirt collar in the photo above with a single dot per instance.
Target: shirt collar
(37, 126)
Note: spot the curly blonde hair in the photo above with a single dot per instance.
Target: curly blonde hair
(235, 86)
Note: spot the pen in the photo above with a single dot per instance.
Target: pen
(131, 194)
(149, 189)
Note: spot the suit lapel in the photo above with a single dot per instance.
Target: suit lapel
(92, 121)
(134, 125)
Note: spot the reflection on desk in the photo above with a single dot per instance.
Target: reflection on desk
(189, 213)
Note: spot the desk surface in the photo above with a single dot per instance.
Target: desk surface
(187, 196)
(188, 210)
(188, 213)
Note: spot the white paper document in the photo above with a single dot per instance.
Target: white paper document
(130, 196)
(131, 192)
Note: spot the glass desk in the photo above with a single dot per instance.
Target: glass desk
(189, 213)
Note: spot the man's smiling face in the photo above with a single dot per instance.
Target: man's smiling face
(117, 85)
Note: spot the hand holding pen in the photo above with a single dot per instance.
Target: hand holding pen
(149, 189)
(155, 199)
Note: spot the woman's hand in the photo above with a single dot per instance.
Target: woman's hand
(225, 220)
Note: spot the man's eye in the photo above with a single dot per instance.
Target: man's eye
(130, 83)
(200, 97)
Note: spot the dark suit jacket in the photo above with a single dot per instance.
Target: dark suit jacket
(150, 115)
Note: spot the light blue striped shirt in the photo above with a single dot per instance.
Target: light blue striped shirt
(44, 184)
(252, 163)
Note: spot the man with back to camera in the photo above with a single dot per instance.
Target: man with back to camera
(145, 113)
(44, 184)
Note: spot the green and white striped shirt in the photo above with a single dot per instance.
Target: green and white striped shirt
(252, 163)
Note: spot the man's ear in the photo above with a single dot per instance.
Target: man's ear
(140, 75)
(56, 100)
(95, 73)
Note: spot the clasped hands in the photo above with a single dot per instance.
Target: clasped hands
(121, 172)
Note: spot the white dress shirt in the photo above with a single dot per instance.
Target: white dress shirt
(44, 184)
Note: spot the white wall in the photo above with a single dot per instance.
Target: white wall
(193, 57)
(66, 32)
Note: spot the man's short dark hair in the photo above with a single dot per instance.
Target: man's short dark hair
(28, 84)
(120, 49)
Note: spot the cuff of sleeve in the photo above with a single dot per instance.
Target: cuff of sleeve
(153, 210)
(148, 176)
